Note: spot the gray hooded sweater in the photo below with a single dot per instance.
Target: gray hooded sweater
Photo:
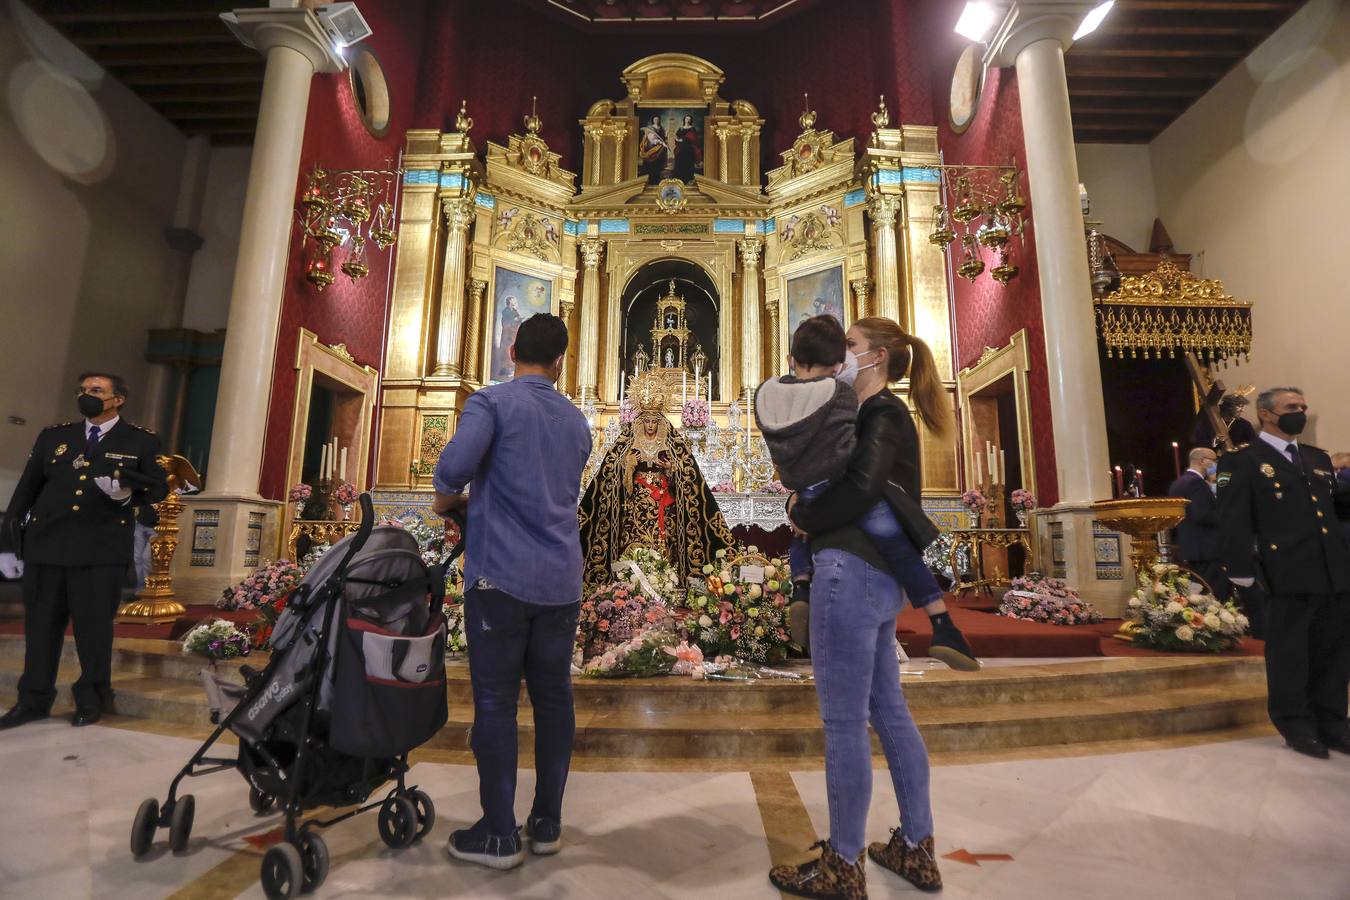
(809, 427)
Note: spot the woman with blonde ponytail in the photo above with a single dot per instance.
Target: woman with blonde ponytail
(854, 602)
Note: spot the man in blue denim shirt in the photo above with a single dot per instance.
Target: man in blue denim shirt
(522, 446)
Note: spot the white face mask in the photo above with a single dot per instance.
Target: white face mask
(849, 372)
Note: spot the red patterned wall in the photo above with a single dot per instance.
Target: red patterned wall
(988, 314)
(335, 137)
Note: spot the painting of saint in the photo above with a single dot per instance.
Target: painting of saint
(670, 144)
(515, 297)
(816, 294)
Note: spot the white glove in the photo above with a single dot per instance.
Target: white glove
(1243, 582)
(11, 566)
(113, 488)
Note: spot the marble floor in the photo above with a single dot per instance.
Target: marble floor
(1236, 819)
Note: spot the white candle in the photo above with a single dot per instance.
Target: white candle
(623, 379)
(979, 471)
(684, 388)
(342, 464)
(1002, 468)
(323, 462)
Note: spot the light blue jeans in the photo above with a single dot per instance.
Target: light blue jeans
(853, 610)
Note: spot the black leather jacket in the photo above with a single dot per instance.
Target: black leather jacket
(888, 449)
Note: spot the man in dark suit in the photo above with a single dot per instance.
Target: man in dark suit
(1198, 533)
(1280, 544)
(68, 532)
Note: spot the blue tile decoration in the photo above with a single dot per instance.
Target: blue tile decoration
(614, 226)
(571, 227)
(1106, 553)
(888, 176)
(728, 226)
(398, 504)
(452, 180)
(767, 226)
(487, 201)
(947, 511)
(920, 175)
(420, 176)
(205, 523)
(855, 198)
(1058, 564)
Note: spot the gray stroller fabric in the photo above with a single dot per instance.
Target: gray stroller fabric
(391, 557)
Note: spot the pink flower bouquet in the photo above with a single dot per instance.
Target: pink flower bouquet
(1023, 500)
(301, 492)
(975, 501)
(346, 494)
(695, 413)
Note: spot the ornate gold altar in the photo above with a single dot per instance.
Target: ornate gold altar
(670, 177)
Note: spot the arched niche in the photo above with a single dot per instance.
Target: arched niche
(641, 296)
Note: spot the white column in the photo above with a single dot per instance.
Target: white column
(588, 362)
(752, 337)
(882, 209)
(295, 47)
(449, 344)
(1033, 38)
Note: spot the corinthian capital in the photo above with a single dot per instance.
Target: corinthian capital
(750, 249)
(591, 248)
(477, 287)
(882, 209)
(458, 213)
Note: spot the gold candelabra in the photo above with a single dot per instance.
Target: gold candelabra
(981, 207)
(347, 208)
(156, 602)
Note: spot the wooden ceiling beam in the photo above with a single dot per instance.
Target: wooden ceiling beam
(194, 111)
(1212, 6)
(1160, 45)
(135, 77)
(1093, 86)
(148, 34)
(1084, 112)
(237, 55)
(1162, 69)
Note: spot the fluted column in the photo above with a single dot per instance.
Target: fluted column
(296, 47)
(449, 330)
(862, 297)
(881, 210)
(588, 359)
(1034, 38)
(473, 329)
(752, 345)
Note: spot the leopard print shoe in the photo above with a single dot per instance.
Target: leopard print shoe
(917, 864)
(829, 876)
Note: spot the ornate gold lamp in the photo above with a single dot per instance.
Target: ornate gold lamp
(347, 209)
(156, 602)
(1141, 518)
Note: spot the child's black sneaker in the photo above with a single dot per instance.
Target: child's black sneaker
(475, 845)
(545, 835)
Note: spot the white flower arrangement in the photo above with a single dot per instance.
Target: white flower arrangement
(1174, 613)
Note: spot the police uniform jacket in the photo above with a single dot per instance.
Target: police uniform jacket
(1277, 521)
(59, 516)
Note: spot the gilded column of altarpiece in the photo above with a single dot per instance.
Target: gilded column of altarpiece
(670, 175)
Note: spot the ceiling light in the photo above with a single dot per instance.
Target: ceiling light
(976, 21)
(1093, 19)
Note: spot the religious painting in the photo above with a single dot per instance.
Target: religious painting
(515, 297)
(818, 293)
(670, 143)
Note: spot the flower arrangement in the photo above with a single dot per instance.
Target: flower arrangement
(615, 615)
(217, 640)
(1174, 613)
(642, 656)
(1022, 500)
(316, 553)
(729, 614)
(651, 575)
(975, 501)
(776, 487)
(1036, 598)
(723, 487)
(627, 411)
(435, 542)
(346, 494)
(301, 492)
(263, 588)
(695, 413)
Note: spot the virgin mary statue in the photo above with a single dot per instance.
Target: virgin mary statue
(648, 492)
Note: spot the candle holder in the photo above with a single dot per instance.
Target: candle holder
(319, 508)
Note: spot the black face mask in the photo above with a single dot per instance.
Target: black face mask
(1293, 422)
(90, 406)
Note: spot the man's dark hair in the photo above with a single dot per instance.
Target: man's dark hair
(540, 340)
(819, 341)
(119, 385)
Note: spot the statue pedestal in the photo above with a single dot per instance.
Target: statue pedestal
(1072, 543)
(223, 540)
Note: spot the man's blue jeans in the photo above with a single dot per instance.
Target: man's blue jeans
(853, 610)
(509, 640)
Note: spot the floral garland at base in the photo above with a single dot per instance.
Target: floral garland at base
(1050, 601)
(727, 614)
(217, 640)
(1174, 613)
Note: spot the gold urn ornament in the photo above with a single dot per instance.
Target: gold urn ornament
(942, 233)
(1005, 271)
(994, 233)
(356, 207)
(971, 264)
(966, 207)
(354, 266)
(1013, 202)
(319, 273)
(382, 229)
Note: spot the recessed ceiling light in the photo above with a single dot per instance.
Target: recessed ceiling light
(977, 19)
(1093, 19)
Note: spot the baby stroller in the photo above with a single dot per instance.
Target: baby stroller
(355, 682)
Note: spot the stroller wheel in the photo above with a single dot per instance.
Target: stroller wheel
(258, 801)
(143, 827)
(180, 823)
(426, 811)
(313, 860)
(398, 822)
(283, 874)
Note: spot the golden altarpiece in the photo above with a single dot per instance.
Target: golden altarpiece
(670, 204)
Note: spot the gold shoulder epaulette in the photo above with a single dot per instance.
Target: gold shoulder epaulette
(62, 425)
(143, 428)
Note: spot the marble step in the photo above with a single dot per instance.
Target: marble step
(673, 733)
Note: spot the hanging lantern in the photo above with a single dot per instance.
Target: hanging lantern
(966, 207)
(357, 206)
(328, 237)
(313, 199)
(1013, 202)
(381, 229)
(318, 272)
(994, 233)
(942, 233)
(354, 266)
(1005, 271)
(971, 264)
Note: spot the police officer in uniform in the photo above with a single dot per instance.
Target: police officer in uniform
(1281, 546)
(68, 532)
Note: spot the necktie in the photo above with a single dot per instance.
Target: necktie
(1294, 456)
(93, 441)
